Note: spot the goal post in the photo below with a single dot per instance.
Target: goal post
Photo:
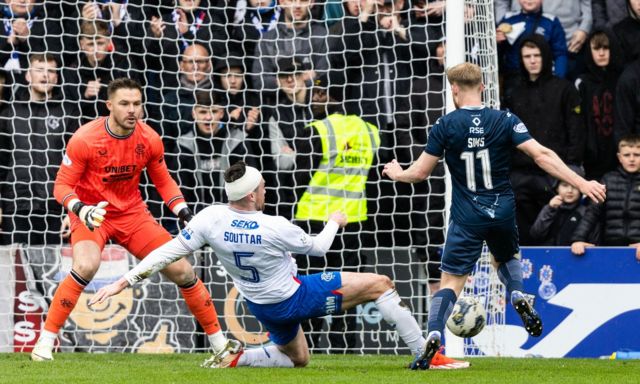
(471, 37)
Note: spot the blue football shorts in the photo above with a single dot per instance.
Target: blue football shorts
(463, 245)
(317, 296)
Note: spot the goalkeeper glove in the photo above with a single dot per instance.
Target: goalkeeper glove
(184, 216)
(91, 215)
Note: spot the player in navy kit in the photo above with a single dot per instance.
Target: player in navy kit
(477, 143)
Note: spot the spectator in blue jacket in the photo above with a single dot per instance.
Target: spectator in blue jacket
(514, 27)
(576, 19)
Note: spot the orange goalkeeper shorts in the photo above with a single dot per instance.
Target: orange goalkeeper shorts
(137, 231)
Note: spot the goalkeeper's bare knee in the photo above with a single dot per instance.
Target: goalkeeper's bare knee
(86, 259)
(180, 272)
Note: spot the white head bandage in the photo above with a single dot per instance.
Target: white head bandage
(240, 188)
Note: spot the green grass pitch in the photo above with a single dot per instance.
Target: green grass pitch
(71, 368)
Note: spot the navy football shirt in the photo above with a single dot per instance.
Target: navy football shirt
(476, 143)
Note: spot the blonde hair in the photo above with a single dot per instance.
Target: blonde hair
(465, 75)
(630, 140)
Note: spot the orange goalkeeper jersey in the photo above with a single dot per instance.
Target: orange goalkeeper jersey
(101, 166)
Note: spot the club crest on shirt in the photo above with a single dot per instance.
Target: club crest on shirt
(140, 150)
(520, 128)
(66, 160)
(186, 233)
(327, 276)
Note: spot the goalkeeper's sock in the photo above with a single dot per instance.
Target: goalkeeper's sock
(510, 274)
(47, 338)
(217, 341)
(64, 301)
(397, 314)
(269, 356)
(441, 307)
(200, 304)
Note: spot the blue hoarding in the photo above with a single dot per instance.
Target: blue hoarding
(590, 304)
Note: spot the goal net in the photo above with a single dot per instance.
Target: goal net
(226, 81)
(484, 285)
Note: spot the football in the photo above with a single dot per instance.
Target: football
(468, 317)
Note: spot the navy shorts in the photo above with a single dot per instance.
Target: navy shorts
(463, 245)
(317, 296)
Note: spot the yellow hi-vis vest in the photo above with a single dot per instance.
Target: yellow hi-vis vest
(349, 145)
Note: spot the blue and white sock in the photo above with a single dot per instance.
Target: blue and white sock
(516, 295)
(434, 333)
(510, 274)
(441, 308)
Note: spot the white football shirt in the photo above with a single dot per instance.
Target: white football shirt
(254, 249)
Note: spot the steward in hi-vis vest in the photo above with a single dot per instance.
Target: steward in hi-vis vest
(349, 145)
(343, 150)
(334, 158)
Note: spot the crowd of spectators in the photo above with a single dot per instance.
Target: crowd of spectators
(231, 80)
(570, 72)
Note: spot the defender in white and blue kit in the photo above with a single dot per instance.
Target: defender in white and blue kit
(255, 249)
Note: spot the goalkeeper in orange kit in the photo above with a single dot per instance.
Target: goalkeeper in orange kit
(98, 182)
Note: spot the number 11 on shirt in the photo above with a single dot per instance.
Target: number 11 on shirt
(485, 163)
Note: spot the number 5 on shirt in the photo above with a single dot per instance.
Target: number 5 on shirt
(255, 277)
